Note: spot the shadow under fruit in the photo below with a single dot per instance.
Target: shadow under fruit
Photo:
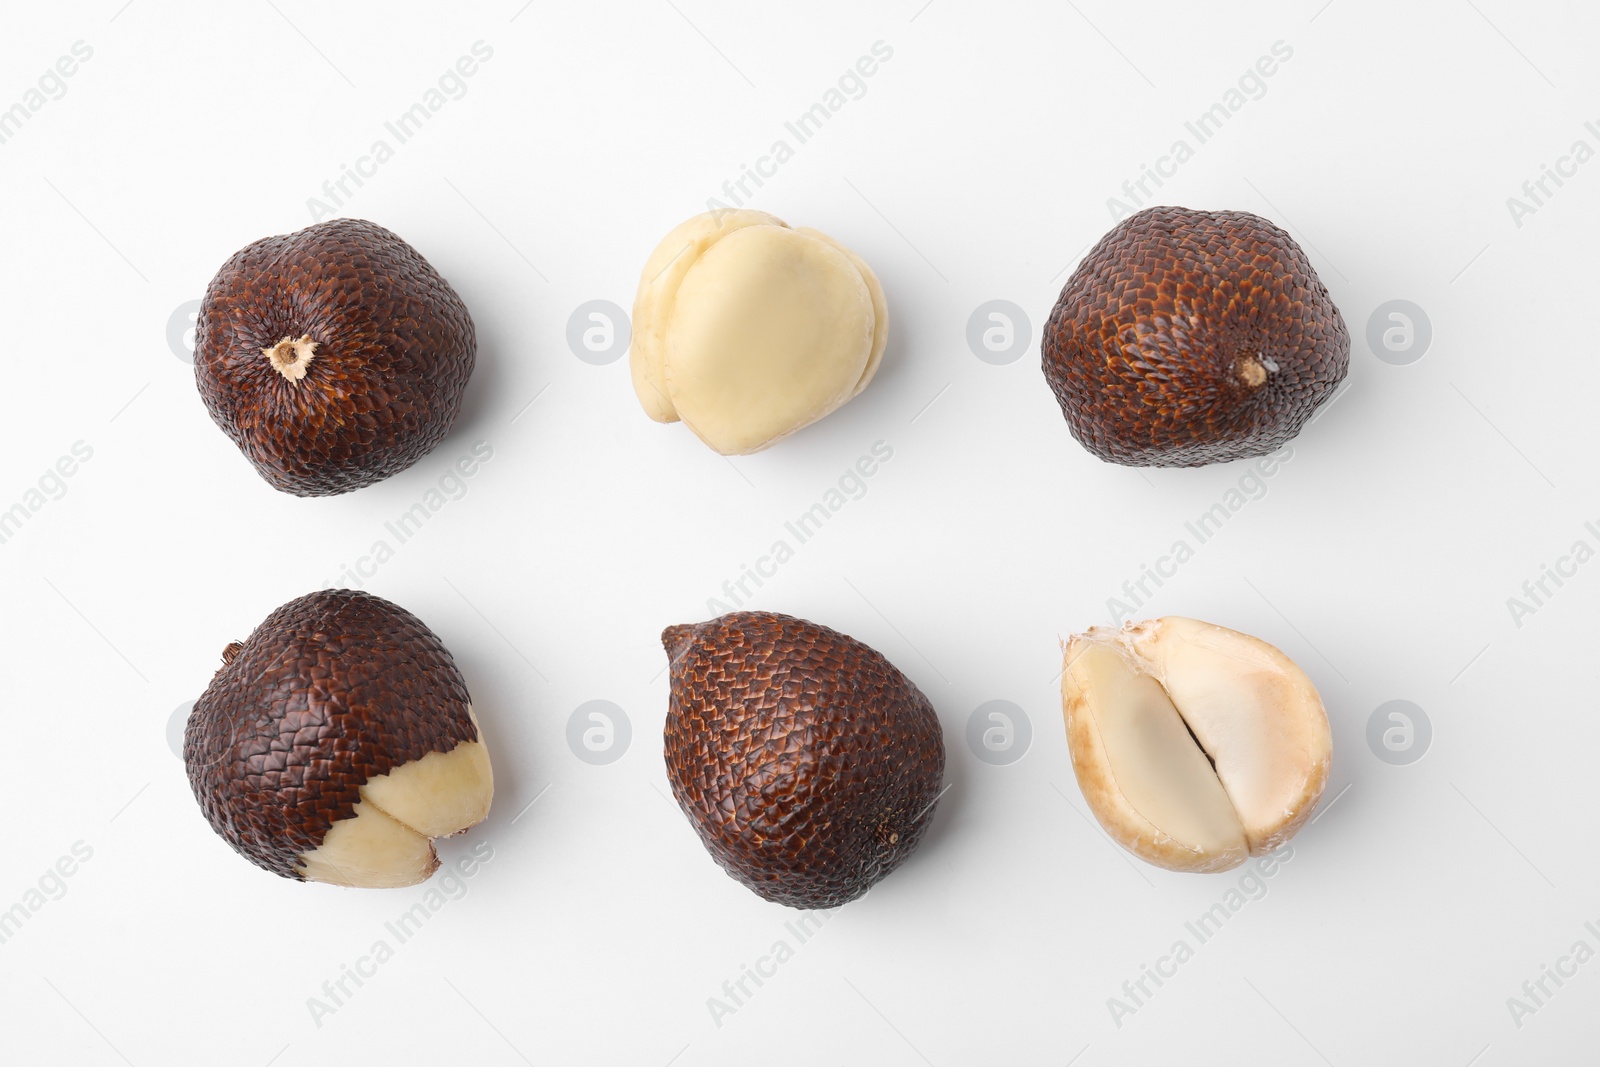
(333, 357)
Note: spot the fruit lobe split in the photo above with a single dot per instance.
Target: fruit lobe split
(336, 742)
(333, 357)
(807, 763)
(1192, 337)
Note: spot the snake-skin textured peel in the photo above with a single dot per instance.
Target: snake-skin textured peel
(1192, 337)
(807, 763)
(333, 357)
(333, 689)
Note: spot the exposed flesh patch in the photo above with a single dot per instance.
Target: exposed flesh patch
(1254, 711)
(370, 850)
(388, 842)
(1153, 760)
(440, 794)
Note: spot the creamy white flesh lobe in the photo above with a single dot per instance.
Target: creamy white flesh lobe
(1195, 746)
(748, 330)
(388, 842)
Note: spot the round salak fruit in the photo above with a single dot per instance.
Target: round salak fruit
(336, 742)
(333, 357)
(1192, 337)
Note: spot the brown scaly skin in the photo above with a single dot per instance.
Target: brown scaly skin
(394, 349)
(1162, 347)
(807, 763)
(334, 688)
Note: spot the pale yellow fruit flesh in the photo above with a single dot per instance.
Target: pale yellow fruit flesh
(748, 330)
(1174, 723)
(771, 331)
(1153, 784)
(388, 842)
(370, 850)
(880, 309)
(1257, 714)
(663, 273)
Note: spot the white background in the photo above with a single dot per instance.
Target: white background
(977, 166)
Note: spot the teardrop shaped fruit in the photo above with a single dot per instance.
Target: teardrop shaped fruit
(1195, 746)
(333, 357)
(336, 742)
(807, 763)
(1192, 337)
(748, 330)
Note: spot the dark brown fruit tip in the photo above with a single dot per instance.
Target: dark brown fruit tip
(336, 742)
(333, 357)
(1192, 337)
(806, 762)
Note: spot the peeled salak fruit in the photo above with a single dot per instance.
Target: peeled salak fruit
(748, 330)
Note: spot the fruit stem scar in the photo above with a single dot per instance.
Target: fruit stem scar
(1252, 371)
(290, 357)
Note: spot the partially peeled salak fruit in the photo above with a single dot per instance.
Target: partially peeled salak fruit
(337, 742)
(1195, 746)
